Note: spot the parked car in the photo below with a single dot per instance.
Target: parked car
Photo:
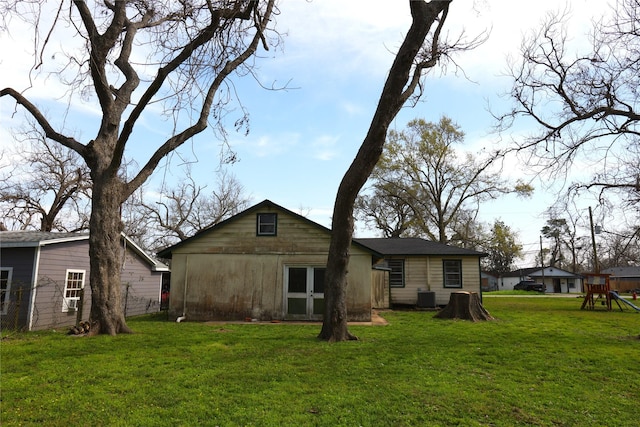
(529, 285)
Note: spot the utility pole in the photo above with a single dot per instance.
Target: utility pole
(593, 242)
(542, 261)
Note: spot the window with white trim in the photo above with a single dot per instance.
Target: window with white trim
(5, 288)
(72, 289)
(452, 272)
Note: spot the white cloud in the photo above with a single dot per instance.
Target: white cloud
(324, 147)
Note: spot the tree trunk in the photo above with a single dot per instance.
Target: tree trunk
(466, 306)
(400, 84)
(106, 256)
(334, 326)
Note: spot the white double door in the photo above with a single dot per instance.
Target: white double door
(304, 292)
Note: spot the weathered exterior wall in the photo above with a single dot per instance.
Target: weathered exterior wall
(426, 273)
(230, 273)
(380, 289)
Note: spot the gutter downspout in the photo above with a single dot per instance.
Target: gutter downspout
(184, 296)
(34, 288)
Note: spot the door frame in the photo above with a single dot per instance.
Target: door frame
(309, 295)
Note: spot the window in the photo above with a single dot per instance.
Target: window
(452, 272)
(267, 224)
(72, 289)
(396, 275)
(5, 288)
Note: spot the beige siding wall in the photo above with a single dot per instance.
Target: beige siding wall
(230, 273)
(426, 273)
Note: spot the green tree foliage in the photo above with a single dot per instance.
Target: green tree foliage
(557, 230)
(424, 186)
(502, 249)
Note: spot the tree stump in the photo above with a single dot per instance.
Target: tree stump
(466, 306)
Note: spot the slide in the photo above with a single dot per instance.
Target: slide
(619, 298)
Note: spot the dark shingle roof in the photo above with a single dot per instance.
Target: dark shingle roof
(36, 238)
(30, 239)
(413, 246)
(623, 271)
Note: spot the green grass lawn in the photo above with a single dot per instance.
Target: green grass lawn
(544, 362)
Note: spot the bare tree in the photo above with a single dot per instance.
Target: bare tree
(183, 210)
(385, 210)
(585, 105)
(421, 171)
(191, 48)
(48, 187)
(619, 249)
(420, 51)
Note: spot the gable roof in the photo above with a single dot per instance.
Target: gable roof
(538, 272)
(34, 239)
(415, 246)
(622, 271)
(553, 272)
(521, 272)
(166, 253)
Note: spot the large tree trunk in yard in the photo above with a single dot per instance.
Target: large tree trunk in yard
(192, 47)
(334, 326)
(401, 82)
(466, 306)
(106, 256)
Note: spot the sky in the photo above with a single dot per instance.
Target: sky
(333, 63)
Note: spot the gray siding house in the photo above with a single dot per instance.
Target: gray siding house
(44, 279)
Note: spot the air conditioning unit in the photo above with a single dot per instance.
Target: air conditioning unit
(72, 304)
(426, 299)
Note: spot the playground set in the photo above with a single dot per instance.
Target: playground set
(597, 288)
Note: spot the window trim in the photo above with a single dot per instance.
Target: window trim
(444, 273)
(401, 262)
(260, 224)
(65, 300)
(6, 299)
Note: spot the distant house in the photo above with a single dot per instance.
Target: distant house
(489, 282)
(556, 279)
(623, 279)
(43, 276)
(268, 263)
